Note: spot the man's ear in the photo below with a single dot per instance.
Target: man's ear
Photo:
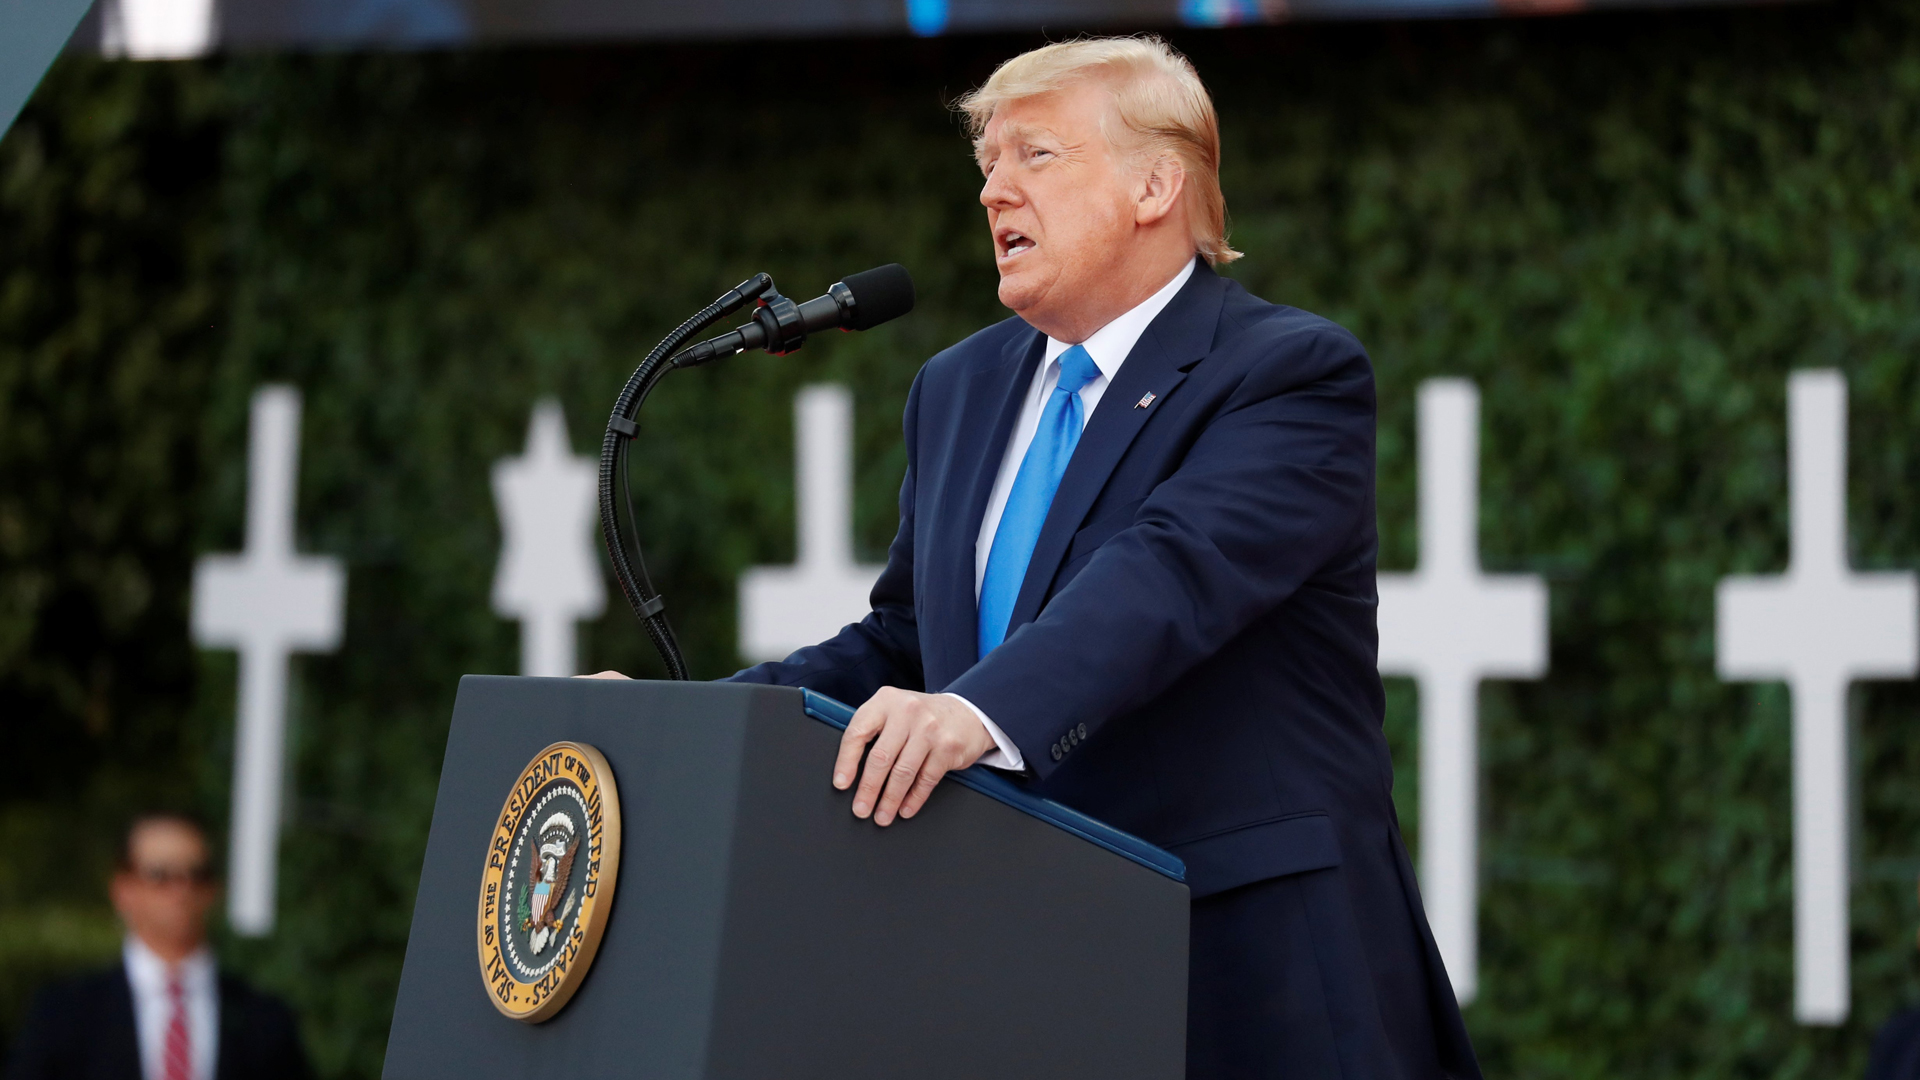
(1159, 190)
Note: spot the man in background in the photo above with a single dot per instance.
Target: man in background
(164, 1012)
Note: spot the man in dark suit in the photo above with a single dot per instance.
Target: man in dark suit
(1135, 565)
(163, 1012)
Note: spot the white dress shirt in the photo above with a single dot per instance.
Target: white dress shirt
(1108, 347)
(153, 1008)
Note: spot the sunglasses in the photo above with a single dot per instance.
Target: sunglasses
(162, 876)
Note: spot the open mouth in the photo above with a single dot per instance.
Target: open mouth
(1014, 243)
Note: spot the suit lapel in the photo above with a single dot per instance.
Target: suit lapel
(1177, 338)
(992, 403)
(119, 1030)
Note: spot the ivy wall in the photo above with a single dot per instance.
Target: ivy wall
(1626, 228)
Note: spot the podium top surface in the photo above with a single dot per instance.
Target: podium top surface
(999, 788)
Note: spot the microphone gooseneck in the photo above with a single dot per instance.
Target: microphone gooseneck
(779, 326)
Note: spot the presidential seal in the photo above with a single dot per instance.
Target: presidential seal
(548, 888)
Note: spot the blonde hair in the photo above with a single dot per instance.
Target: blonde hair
(1157, 97)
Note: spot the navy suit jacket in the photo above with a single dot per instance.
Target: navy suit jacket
(1192, 657)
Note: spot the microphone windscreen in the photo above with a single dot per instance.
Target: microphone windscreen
(879, 295)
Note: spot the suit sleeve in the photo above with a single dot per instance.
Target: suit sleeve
(882, 649)
(1270, 491)
(284, 1055)
(259, 1035)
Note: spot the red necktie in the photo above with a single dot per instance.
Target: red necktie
(178, 1058)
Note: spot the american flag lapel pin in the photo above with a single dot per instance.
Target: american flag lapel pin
(1145, 401)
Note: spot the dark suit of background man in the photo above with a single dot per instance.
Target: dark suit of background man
(163, 1012)
(1136, 564)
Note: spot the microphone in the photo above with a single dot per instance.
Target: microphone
(780, 326)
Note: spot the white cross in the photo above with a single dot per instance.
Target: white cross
(1448, 625)
(549, 574)
(1818, 626)
(783, 608)
(266, 602)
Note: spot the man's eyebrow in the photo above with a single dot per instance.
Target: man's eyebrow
(1025, 132)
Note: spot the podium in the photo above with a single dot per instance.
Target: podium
(758, 930)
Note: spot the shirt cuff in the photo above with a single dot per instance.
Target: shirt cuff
(1005, 755)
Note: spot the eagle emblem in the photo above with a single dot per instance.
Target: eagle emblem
(545, 906)
(551, 866)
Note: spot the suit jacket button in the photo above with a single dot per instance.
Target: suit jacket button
(1083, 731)
(1056, 751)
(1073, 739)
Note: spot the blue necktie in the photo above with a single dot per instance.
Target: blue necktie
(1033, 488)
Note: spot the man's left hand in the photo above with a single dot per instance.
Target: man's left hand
(917, 739)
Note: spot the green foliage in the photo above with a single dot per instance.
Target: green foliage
(111, 283)
(1626, 229)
